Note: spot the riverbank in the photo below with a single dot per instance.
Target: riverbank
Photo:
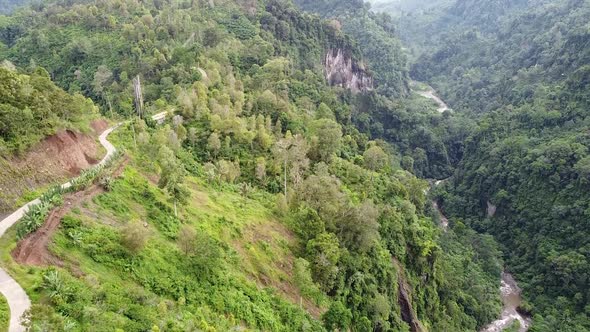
(511, 297)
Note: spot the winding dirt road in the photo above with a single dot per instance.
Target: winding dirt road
(15, 295)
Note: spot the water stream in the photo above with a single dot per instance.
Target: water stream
(431, 94)
(512, 300)
(509, 290)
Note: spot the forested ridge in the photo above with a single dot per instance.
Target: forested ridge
(376, 40)
(508, 54)
(8, 6)
(32, 107)
(268, 200)
(520, 69)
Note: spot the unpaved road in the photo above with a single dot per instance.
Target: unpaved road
(33, 249)
(17, 298)
(18, 301)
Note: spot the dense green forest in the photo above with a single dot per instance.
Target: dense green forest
(269, 200)
(520, 69)
(507, 54)
(431, 144)
(32, 107)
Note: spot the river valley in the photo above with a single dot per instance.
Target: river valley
(509, 290)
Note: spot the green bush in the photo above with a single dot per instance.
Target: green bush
(4, 314)
(33, 219)
(53, 197)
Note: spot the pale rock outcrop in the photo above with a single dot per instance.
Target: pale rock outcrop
(491, 210)
(341, 70)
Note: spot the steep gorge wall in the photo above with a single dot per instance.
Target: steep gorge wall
(341, 70)
(405, 299)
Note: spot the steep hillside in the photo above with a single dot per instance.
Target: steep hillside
(376, 41)
(521, 69)
(531, 166)
(46, 134)
(7, 6)
(398, 7)
(258, 204)
(429, 143)
(531, 49)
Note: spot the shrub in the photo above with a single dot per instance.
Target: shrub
(106, 182)
(303, 280)
(4, 314)
(134, 237)
(33, 219)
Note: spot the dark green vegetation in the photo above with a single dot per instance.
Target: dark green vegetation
(538, 180)
(32, 107)
(501, 53)
(4, 314)
(102, 62)
(261, 204)
(521, 70)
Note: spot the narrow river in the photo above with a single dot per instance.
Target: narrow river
(431, 94)
(509, 290)
(511, 299)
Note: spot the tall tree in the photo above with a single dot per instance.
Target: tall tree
(291, 152)
(172, 177)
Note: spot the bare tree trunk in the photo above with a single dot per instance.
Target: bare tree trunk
(175, 210)
(138, 96)
(110, 105)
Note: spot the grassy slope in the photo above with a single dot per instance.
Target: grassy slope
(104, 283)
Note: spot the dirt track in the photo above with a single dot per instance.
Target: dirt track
(33, 250)
(17, 298)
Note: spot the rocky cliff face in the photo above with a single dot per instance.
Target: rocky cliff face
(341, 70)
(404, 299)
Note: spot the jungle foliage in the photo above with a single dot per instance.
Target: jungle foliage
(257, 139)
(520, 68)
(33, 107)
